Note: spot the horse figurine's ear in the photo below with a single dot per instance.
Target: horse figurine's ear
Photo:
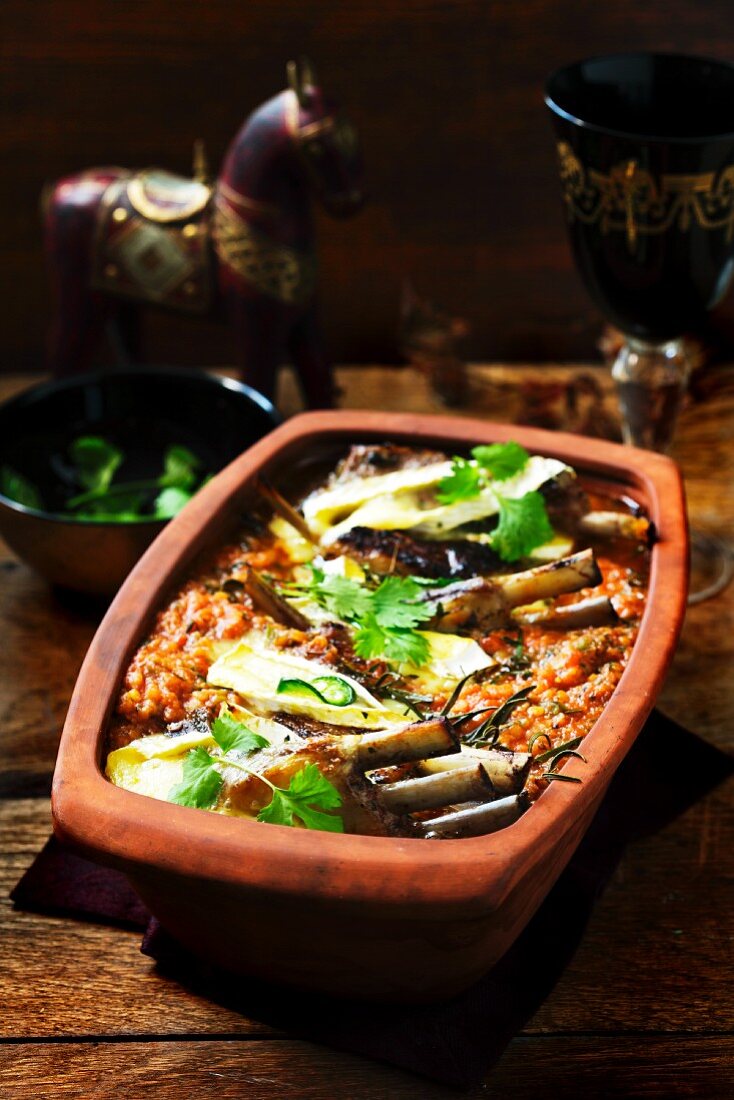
(301, 80)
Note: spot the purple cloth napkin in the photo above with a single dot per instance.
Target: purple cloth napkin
(458, 1040)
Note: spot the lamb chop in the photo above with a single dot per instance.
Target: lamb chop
(373, 459)
(400, 552)
(483, 603)
(368, 808)
(376, 466)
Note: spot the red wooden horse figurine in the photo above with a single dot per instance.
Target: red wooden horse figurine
(242, 248)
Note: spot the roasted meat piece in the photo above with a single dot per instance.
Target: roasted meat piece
(399, 552)
(369, 460)
(482, 603)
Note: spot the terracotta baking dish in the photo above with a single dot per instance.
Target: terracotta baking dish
(374, 917)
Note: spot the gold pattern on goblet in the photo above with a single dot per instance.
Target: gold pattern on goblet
(632, 200)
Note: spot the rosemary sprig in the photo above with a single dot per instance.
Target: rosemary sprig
(450, 702)
(554, 751)
(488, 732)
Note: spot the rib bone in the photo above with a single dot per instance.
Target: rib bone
(434, 737)
(483, 603)
(596, 611)
(477, 820)
(467, 784)
(507, 771)
(609, 525)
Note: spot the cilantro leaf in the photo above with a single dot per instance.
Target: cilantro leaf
(384, 618)
(393, 603)
(229, 734)
(344, 597)
(397, 643)
(96, 461)
(201, 782)
(341, 596)
(501, 460)
(405, 646)
(307, 789)
(113, 505)
(369, 638)
(523, 525)
(18, 488)
(180, 467)
(463, 483)
(170, 501)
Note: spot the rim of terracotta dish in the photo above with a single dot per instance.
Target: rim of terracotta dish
(124, 828)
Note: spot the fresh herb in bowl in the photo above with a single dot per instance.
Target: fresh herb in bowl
(18, 488)
(94, 463)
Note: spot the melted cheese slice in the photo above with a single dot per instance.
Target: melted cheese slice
(406, 506)
(326, 507)
(153, 765)
(298, 548)
(254, 671)
(451, 658)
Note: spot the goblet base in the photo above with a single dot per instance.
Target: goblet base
(712, 567)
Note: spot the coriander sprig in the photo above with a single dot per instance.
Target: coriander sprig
(385, 617)
(307, 795)
(523, 521)
(96, 460)
(523, 525)
(493, 462)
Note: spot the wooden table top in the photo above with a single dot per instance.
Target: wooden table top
(645, 1008)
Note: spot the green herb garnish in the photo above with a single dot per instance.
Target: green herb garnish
(398, 644)
(231, 734)
(307, 790)
(385, 617)
(501, 460)
(523, 525)
(493, 462)
(536, 736)
(169, 502)
(552, 752)
(523, 521)
(488, 732)
(463, 483)
(201, 782)
(180, 468)
(388, 687)
(454, 696)
(18, 488)
(393, 602)
(96, 461)
(340, 596)
(307, 794)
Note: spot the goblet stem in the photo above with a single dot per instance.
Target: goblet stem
(651, 382)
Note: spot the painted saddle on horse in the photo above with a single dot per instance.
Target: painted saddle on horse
(241, 248)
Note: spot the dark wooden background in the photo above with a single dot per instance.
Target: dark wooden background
(448, 96)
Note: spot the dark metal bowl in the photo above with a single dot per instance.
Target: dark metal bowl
(143, 410)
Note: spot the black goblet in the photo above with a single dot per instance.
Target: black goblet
(646, 155)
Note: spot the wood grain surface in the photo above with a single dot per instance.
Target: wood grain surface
(644, 1009)
(464, 196)
(657, 1068)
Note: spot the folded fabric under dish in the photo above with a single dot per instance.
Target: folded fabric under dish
(455, 1041)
